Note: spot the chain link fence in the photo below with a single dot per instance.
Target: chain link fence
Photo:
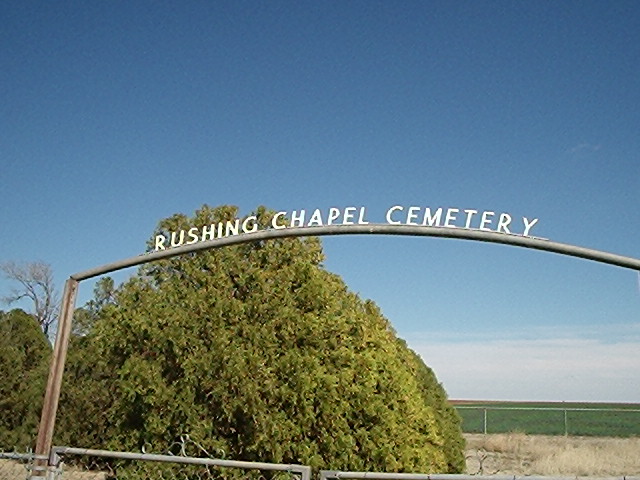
(18, 466)
(336, 475)
(104, 464)
(607, 422)
(87, 464)
(187, 460)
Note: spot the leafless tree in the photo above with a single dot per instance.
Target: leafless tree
(35, 282)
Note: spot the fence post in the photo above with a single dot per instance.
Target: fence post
(566, 423)
(56, 370)
(485, 420)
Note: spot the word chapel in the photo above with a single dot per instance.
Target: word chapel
(397, 215)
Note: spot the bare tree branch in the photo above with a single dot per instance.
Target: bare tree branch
(35, 282)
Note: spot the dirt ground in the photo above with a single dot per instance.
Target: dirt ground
(520, 454)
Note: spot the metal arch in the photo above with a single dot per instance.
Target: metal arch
(375, 229)
(54, 381)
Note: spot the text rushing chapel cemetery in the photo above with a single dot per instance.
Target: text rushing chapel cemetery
(484, 220)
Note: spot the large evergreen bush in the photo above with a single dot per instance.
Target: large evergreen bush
(257, 353)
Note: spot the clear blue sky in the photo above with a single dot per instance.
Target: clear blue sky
(118, 114)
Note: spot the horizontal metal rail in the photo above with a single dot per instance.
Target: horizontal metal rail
(331, 474)
(29, 461)
(543, 409)
(21, 456)
(303, 470)
(375, 229)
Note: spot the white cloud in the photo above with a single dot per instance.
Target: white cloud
(554, 369)
(584, 148)
(605, 333)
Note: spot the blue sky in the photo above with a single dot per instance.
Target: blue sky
(118, 114)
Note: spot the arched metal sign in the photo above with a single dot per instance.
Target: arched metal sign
(54, 382)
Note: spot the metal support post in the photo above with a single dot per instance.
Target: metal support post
(54, 381)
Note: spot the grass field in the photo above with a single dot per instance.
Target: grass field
(548, 418)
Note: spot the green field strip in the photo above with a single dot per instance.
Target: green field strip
(551, 418)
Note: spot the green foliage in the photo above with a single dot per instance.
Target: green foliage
(103, 295)
(88, 389)
(449, 420)
(257, 353)
(24, 356)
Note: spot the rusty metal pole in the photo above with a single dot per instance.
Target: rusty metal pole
(56, 369)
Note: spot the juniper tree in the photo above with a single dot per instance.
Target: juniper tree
(257, 352)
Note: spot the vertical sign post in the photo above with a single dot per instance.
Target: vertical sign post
(54, 381)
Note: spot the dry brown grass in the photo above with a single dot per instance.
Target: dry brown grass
(12, 470)
(520, 454)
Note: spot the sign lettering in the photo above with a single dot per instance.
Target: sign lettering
(468, 218)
